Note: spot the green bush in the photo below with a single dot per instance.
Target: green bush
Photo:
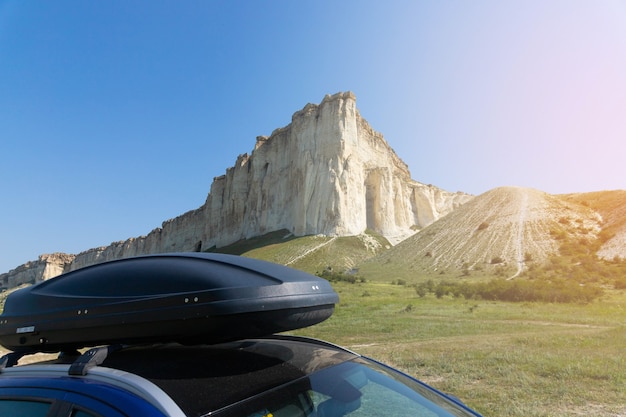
(329, 275)
(555, 291)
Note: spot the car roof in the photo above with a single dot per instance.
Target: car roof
(205, 378)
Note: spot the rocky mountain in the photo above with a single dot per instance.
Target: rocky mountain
(328, 172)
(507, 230)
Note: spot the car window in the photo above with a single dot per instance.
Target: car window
(24, 408)
(375, 400)
(362, 391)
(354, 389)
(363, 388)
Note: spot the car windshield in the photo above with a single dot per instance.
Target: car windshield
(356, 388)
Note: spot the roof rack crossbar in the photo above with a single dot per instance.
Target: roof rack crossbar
(10, 359)
(91, 358)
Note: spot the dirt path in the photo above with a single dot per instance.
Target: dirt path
(520, 234)
(302, 255)
(481, 339)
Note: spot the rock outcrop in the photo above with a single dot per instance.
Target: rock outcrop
(47, 266)
(328, 172)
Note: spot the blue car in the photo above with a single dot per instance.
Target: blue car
(192, 335)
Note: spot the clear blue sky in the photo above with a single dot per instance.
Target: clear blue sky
(116, 115)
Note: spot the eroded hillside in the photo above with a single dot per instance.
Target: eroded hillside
(502, 232)
(611, 205)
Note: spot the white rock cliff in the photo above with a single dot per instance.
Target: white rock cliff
(328, 172)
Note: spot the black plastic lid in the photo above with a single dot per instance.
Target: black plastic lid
(164, 297)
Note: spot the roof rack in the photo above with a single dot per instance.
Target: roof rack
(91, 358)
(83, 363)
(10, 359)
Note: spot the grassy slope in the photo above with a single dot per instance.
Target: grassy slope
(312, 254)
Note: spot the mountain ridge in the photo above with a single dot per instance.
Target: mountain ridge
(330, 177)
(328, 172)
(505, 231)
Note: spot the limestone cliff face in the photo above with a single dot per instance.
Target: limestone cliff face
(328, 172)
(47, 266)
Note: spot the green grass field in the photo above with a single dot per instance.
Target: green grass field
(503, 359)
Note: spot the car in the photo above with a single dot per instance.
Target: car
(177, 335)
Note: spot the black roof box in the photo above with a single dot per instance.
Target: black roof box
(177, 297)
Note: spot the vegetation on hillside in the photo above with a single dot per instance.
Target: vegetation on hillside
(610, 204)
(576, 274)
(578, 263)
(554, 291)
(571, 272)
(498, 289)
(337, 276)
(310, 253)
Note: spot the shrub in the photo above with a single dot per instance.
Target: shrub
(555, 291)
(421, 290)
(620, 283)
(329, 275)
